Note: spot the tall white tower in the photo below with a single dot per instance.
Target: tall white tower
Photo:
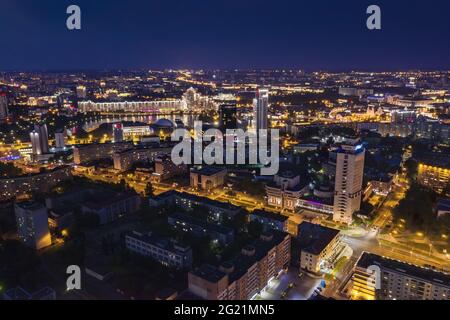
(39, 139)
(260, 109)
(348, 182)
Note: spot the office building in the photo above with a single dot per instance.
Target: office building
(163, 250)
(348, 180)
(381, 278)
(248, 273)
(284, 191)
(32, 224)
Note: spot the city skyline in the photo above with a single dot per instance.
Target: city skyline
(244, 152)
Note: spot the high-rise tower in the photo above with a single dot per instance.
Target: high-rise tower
(260, 109)
(348, 182)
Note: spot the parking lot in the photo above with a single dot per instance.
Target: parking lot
(301, 289)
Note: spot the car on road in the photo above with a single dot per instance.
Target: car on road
(301, 274)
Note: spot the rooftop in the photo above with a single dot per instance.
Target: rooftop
(159, 241)
(269, 215)
(209, 273)
(314, 238)
(438, 278)
(208, 226)
(207, 171)
(30, 205)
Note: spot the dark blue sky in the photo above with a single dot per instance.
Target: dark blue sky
(311, 35)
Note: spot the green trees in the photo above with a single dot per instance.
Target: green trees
(417, 209)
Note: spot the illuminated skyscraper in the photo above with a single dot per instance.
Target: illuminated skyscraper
(349, 179)
(260, 109)
(39, 139)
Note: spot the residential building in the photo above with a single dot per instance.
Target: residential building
(166, 169)
(380, 278)
(218, 211)
(124, 159)
(43, 182)
(270, 220)
(434, 174)
(32, 224)
(161, 249)
(247, 274)
(96, 151)
(111, 209)
(196, 227)
(19, 293)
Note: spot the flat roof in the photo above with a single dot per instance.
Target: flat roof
(269, 215)
(159, 241)
(208, 170)
(209, 273)
(30, 205)
(314, 238)
(439, 278)
(208, 226)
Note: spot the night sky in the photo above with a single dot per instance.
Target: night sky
(310, 35)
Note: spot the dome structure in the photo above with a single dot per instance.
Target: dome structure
(164, 123)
